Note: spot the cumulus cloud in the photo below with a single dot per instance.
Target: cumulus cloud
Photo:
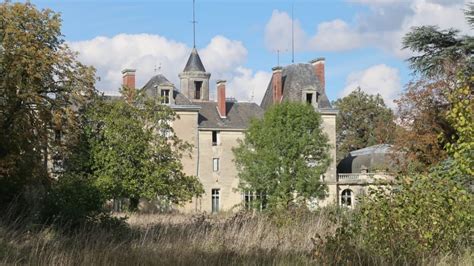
(378, 79)
(382, 26)
(247, 85)
(153, 53)
(278, 33)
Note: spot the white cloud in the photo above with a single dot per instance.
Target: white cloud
(247, 85)
(278, 33)
(382, 26)
(145, 52)
(378, 79)
(335, 36)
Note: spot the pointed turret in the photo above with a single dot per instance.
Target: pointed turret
(195, 79)
(194, 63)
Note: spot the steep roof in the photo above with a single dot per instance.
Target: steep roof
(194, 63)
(297, 78)
(151, 86)
(239, 115)
(377, 156)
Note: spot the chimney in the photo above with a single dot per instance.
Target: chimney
(318, 65)
(128, 78)
(277, 84)
(221, 98)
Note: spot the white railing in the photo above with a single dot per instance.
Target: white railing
(356, 176)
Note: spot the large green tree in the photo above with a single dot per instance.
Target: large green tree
(284, 155)
(42, 86)
(136, 154)
(363, 120)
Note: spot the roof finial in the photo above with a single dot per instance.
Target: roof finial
(194, 23)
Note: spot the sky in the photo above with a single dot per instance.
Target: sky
(239, 40)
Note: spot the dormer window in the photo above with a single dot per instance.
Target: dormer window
(197, 87)
(165, 96)
(309, 98)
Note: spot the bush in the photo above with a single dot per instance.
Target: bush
(424, 216)
(72, 200)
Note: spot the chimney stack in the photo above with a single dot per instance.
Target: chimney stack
(221, 108)
(128, 78)
(318, 65)
(277, 86)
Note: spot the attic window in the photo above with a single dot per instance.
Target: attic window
(309, 98)
(165, 96)
(197, 86)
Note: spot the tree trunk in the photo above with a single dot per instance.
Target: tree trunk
(134, 204)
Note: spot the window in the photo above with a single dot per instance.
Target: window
(248, 199)
(262, 198)
(214, 138)
(346, 198)
(197, 86)
(165, 96)
(215, 164)
(309, 98)
(215, 200)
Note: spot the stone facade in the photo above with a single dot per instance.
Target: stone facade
(214, 127)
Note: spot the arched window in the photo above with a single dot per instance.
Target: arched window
(346, 198)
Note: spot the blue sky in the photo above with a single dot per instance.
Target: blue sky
(237, 40)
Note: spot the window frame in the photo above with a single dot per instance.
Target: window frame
(165, 99)
(215, 164)
(198, 89)
(215, 199)
(347, 196)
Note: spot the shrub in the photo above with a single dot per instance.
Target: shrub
(423, 217)
(72, 200)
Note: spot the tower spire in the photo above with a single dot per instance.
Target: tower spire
(194, 23)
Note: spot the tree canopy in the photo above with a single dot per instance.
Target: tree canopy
(442, 58)
(135, 153)
(284, 155)
(42, 85)
(363, 120)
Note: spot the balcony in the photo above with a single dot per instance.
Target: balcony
(363, 178)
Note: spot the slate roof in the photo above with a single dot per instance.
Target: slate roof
(194, 63)
(239, 115)
(297, 78)
(151, 86)
(377, 156)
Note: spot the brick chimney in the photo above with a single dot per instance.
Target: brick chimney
(277, 86)
(318, 65)
(221, 98)
(128, 78)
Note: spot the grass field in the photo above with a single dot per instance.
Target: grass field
(232, 239)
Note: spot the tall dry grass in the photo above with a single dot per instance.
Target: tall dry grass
(233, 239)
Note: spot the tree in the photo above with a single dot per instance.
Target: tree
(283, 156)
(425, 132)
(42, 85)
(363, 120)
(135, 153)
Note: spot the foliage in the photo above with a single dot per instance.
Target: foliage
(426, 131)
(437, 48)
(284, 155)
(135, 153)
(363, 120)
(42, 85)
(72, 200)
(425, 216)
(461, 117)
